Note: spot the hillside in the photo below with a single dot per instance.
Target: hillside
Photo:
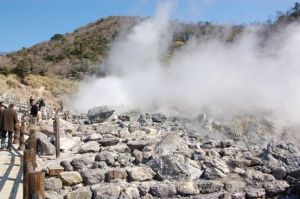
(76, 54)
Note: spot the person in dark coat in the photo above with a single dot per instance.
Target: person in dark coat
(8, 121)
(41, 103)
(34, 112)
(31, 100)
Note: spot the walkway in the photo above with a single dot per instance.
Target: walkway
(11, 174)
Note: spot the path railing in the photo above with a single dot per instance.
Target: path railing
(34, 181)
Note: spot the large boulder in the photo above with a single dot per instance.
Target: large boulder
(44, 146)
(175, 167)
(281, 154)
(99, 114)
(170, 144)
(79, 163)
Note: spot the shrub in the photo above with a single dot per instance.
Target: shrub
(23, 69)
(57, 37)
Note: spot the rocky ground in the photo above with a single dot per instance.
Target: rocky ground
(137, 155)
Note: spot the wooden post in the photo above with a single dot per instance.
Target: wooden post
(37, 184)
(22, 138)
(32, 140)
(57, 136)
(28, 157)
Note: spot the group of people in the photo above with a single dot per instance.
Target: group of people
(36, 106)
(8, 125)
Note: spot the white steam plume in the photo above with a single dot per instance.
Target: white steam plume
(227, 78)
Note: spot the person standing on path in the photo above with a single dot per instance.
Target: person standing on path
(8, 121)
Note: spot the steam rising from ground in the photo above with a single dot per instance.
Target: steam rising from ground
(225, 78)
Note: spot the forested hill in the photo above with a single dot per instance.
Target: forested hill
(81, 52)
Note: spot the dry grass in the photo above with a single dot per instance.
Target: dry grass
(52, 89)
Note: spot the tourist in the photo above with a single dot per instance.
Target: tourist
(8, 121)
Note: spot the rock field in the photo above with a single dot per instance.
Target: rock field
(137, 155)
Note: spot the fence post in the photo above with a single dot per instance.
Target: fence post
(22, 139)
(29, 156)
(37, 184)
(57, 136)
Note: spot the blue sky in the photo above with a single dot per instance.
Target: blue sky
(27, 22)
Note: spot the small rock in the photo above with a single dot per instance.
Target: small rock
(105, 191)
(79, 163)
(140, 173)
(187, 188)
(54, 184)
(66, 165)
(108, 141)
(105, 156)
(275, 187)
(50, 194)
(115, 174)
(92, 176)
(138, 156)
(70, 178)
(88, 147)
(81, 193)
(209, 186)
(252, 192)
(163, 190)
(159, 117)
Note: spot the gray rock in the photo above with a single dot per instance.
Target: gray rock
(278, 172)
(93, 137)
(81, 193)
(79, 163)
(124, 159)
(92, 176)
(275, 187)
(170, 144)
(198, 154)
(159, 117)
(66, 165)
(54, 184)
(187, 188)
(283, 154)
(140, 173)
(252, 192)
(88, 147)
(105, 156)
(130, 193)
(210, 186)
(124, 118)
(295, 173)
(50, 194)
(138, 155)
(137, 144)
(104, 191)
(175, 167)
(133, 126)
(108, 141)
(106, 128)
(44, 146)
(70, 178)
(215, 168)
(235, 186)
(115, 174)
(163, 190)
(99, 114)
(145, 120)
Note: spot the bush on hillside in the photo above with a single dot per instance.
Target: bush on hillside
(23, 69)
